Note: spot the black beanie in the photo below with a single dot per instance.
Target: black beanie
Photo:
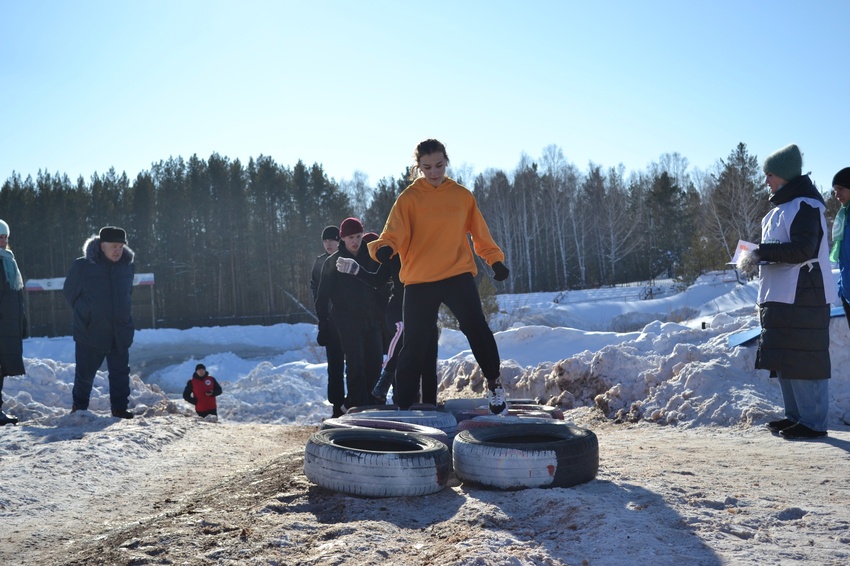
(113, 234)
(842, 178)
(330, 233)
(200, 366)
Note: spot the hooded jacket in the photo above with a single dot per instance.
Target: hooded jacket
(795, 334)
(99, 292)
(442, 219)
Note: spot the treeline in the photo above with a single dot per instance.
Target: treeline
(231, 243)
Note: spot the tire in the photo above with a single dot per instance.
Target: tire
(518, 456)
(512, 411)
(383, 424)
(464, 404)
(554, 412)
(498, 420)
(415, 406)
(376, 463)
(436, 419)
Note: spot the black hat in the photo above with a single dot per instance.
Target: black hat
(330, 233)
(113, 234)
(200, 366)
(842, 178)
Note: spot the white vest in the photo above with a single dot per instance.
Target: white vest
(778, 281)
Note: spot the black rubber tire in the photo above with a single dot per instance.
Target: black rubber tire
(442, 420)
(376, 463)
(517, 456)
(554, 412)
(384, 424)
(499, 420)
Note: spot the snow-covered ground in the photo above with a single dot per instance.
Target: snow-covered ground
(82, 484)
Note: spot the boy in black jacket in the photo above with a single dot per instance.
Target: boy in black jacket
(356, 314)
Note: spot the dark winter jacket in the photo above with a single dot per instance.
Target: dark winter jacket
(316, 275)
(795, 337)
(99, 292)
(393, 296)
(351, 297)
(13, 328)
(196, 390)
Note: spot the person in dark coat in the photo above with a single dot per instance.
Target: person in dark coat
(98, 287)
(333, 349)
(796, 289)
(355, 313)
(393, 319)
(13, 322)
(840, 252)
(201, 391)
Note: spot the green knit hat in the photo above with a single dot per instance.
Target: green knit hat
(785, 163)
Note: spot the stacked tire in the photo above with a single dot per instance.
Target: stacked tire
(388, 453)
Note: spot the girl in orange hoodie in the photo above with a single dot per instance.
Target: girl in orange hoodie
(429, 228)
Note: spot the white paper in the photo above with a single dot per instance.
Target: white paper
(743, 246)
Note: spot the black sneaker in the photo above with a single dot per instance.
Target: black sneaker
(122, 414)
(776, 426)
(801, 431)
(6, 419)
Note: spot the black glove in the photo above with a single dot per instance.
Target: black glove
(500, 272)
(322, 338)
(384, 254)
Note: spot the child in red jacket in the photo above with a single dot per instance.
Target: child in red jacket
(201, 392)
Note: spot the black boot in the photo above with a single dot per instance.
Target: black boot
(5, 419)
(122, 414)
(379, 392)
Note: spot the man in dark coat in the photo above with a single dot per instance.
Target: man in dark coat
(13, 324)
(355, 313)
(98, 288)
(333, 348)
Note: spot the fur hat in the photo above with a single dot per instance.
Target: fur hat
(349, 227)
(4, 228)
(330, 233)
(113, 234)
(842, 179)
(785, 163)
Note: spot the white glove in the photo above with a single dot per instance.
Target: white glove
(347, 265)
(748, 263)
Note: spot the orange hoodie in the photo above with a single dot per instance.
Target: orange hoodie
(428, 227)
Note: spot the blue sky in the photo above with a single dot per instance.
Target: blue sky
(87, 85)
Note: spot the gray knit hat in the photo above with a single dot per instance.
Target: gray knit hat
(785, 163)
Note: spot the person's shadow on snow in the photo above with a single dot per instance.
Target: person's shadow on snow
(837, 442)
